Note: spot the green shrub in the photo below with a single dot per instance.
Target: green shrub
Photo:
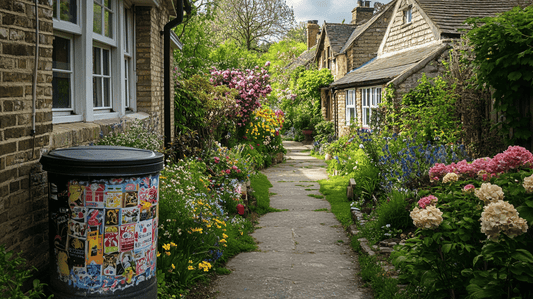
(143, 134)
(13, 274)
(394, 211)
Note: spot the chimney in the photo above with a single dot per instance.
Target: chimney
(312, 33)
(362, 12)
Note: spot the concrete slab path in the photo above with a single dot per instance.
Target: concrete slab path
(303, 253)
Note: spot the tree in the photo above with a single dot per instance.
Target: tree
(503, 49)
(253, 22)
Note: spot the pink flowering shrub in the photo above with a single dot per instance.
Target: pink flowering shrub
(253, 86)
(429, 200)
(511, 159)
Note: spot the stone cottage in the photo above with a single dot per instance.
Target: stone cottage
(344, 47)
(97, 62)
(416, 41)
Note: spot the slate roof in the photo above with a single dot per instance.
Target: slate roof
(386, 68)
(449, 15)
(359, 30)
(338, 34)
(302, 60)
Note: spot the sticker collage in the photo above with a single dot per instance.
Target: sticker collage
(105, 232)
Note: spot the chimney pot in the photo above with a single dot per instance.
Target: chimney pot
(360, 3)
(367, 3)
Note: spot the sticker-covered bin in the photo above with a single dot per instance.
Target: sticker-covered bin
(103, 203)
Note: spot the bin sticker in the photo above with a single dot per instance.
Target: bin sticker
(154, 233)
(143, 194)
(142, 260)
(62, 265)
(116, 181)
(95, 250)
(77, 228)
(146, 210)
(144, 183)
(110, 264)
(78, 213)
(127, 237)
(131, 184)
(155, 181)
(130, 215)
(94, 271)
(113, 199)
(143, 234)
(75, 194)
(95, 219)
(76, 252)
(130, 200)
(126, 262)
(94, 195)
(111, 239)
(59, 228)
(112, 217)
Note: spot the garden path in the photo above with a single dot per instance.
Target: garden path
(303, 253)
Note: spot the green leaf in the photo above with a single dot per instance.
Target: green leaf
(446, 248)
(523, 256)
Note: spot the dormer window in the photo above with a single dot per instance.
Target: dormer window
(407, 15)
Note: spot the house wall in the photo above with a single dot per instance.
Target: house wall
(341, 66)
(402, 36)
(23, 184)
(367, 45)
(23, 191)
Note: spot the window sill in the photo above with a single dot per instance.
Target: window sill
(83, 133)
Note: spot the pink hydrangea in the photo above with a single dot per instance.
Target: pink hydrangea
(430, 200)
(469, 188)
(217, 159)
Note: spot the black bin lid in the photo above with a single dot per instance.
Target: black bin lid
(102, 161)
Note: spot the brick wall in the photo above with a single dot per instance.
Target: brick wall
(402, 36)
(150, 23)
(367, 45)
(23, 188)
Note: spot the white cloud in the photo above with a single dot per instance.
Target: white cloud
(331, 11)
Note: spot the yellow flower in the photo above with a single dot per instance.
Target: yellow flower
(241, 233)
(167, 253)
(223, 241)
(190, 261)
(190, 268)
(173, 244)
(224, 245)
(166, 247)
(173, 267)
(224, 236)
(158, 254)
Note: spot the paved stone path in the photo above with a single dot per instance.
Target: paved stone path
(303, 253)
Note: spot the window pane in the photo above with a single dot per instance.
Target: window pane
(61, 90)
(68, 10)
(107, 92)
(108, 22)
(378, 90)
(61, 53)
(126, 29)
(97, 61)
(97, 92)
(367, 116)
(107, 3)
(97, 19)
(105, 57)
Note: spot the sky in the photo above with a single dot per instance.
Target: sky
(331, 11)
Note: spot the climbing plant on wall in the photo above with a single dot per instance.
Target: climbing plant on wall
(504, 58)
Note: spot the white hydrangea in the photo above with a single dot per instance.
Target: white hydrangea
(501, 217)
(489, 193)
(450, 177)
(428, 218)
(528, 184)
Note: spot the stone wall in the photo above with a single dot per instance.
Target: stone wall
(367, 45)
(402, 36)
(23, 188)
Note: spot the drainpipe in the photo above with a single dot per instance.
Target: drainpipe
(166, 31)
(36, 66)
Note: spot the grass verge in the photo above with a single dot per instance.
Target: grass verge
(260, 184)
(335, 191)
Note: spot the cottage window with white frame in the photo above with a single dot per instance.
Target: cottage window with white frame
(370, 99)
(351, 113)
(93, 65)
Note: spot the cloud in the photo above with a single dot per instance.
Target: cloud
(331, 11)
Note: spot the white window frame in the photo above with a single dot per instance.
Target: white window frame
(350, 104)
(66, 25)
(129, 52)
(370, 99)
(114, 18)
(103, 78)
(67, 111)
(408, 15)
(82, 41)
